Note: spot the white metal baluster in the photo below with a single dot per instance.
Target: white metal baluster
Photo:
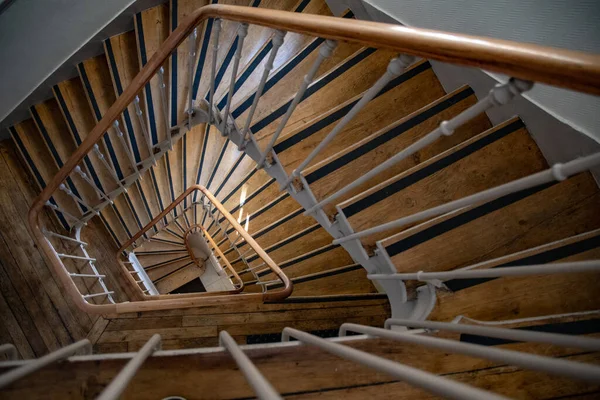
(213, 69)
(557, 172)
(86, 178)
(519, 335)
(164, 104)
(192, 62)
(394, 69)
(63, 212)
(126, 147)
(324, 52)
(32, 366)
(109, 168)
(499, 95)
(261, 386)
(242, 32)
(118, 385)
(88, 276)
(77, 199)
(140, 115)
(185, 219)
(50, 233)
(8, 350)
(94, 269)
(569, 369)
(61, 255)
(89, 296)
(277, 42)
(195, 216)
(539, 269)
(443, 387)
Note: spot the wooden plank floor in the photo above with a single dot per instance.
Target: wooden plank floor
(300, 371)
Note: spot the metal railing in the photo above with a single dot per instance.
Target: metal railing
(524, 63)
(342, 347)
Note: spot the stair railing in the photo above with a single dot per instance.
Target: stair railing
(344, 347)
(173, 300)
(525, 63)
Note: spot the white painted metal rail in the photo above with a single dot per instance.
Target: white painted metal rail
(442, 386)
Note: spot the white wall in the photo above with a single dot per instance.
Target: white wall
(573, 24)
(38, 36)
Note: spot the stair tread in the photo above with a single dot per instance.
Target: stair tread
(332, 174)
(257, 39)
(499, 155)
(520, 221)
(178, 278)
(522, 298)
(121, 53)
(41, 165)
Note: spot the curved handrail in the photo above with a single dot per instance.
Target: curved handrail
(268, 296)
(558, 67)
(221, 255)
(562, 68)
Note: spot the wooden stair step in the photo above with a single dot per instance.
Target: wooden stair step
(75, 108)
(504, 226)
(71, 97)
(418, 84)
(279, 87)
(152, 27)
(499, 155)
(295, 245)
(331, 175)
(318, 260)
(179, 66)
(349, 279)
(291, 55)
(293, 222)
(251, 71)
(294, 147)
(510, 298)
(120, 51)
(257, 39)
(227, 37)
(158, 271)
(41, 165)
(187, 374)
(97, 81)
(54, 132)
(258, 45)
(178, 278)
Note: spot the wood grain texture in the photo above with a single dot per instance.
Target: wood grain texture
(559, 67)
(524, 297)
(560, 211)
(191, 374)
(36, 315)
(507, 158)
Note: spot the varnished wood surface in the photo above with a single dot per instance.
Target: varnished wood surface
(530, 296)
(579, 71)
(559, 211)
(200, 326)
(507, 158)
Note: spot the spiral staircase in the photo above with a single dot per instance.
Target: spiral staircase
(268, 178)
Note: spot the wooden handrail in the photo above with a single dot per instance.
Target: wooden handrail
(268, 296)
(220, 253)
(558, 67)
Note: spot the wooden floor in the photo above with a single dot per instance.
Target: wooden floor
(307, 372)
(35, 315)
(247, 323)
